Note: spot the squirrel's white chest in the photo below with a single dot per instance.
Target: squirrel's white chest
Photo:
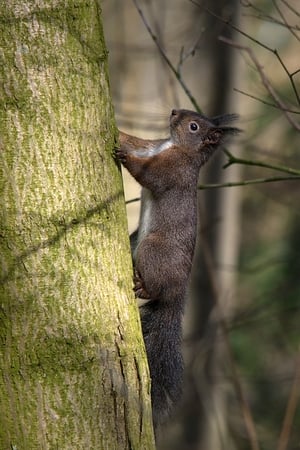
(153, 149)
(146, 196)
(145, 214)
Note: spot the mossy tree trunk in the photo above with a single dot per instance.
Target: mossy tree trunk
(72, 361)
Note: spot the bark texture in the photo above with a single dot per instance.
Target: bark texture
(73, 368)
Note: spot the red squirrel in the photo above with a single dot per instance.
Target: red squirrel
(168, 170)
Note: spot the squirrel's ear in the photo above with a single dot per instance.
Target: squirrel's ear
(214, 136)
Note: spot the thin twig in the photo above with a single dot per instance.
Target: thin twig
(265, 102)
(284, 20)
(295, 73)
(261, 44)
(184, 56)
(289, 75)
(250, 162)
(271, 19)
(132, 200)
(266, 17)
(291, 8)
(265, 81)
(167, 60)
(290, 409)
(247, 182)
(227, 22)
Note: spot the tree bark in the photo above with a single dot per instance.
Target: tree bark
(73, 367)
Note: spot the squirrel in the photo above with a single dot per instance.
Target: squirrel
(163, 246)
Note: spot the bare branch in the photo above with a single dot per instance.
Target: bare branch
(290, 409)
(247, 182)
(270, 19)
(291, 8)
(184, 56)
(250, 162)
(292, 111)
(295, 73)
(132, 200)
(261, 44)
(284, 20)
(267, 18)
(165, 57)
(264, 80)
(289, 75)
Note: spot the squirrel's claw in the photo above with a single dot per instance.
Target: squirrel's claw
(139, 287)
(121, 155)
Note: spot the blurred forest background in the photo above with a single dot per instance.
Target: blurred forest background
(242, 322)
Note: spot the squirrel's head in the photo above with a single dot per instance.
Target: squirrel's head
(199, 133)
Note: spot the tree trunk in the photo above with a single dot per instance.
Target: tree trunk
(208, 388)
(73, 367)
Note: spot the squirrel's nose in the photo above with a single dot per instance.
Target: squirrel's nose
(173, 112)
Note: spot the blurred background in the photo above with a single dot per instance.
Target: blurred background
(242, 345)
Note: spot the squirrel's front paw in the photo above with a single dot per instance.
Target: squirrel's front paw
(139, 287)
(121, 155)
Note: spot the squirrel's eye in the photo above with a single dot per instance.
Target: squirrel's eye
(194, 127)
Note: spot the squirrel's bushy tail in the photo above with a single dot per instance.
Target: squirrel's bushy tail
(162, 330)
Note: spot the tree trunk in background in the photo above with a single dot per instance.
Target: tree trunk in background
(72, 360)
(216, 258)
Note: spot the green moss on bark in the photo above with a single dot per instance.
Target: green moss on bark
(73, 366)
